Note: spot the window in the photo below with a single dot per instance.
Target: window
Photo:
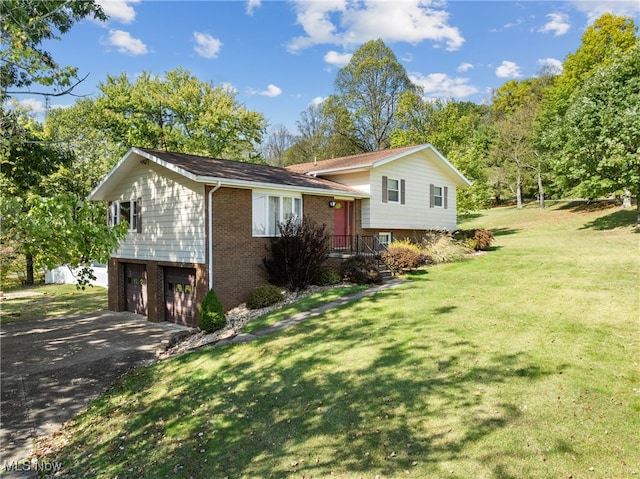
(269, 210)
(126, 211)
(438, 196)
(393, 190)
(384, 238)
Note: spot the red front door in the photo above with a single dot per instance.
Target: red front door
(342, 214)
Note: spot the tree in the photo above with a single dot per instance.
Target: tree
(278, 141)
(601, 155)
(177, 112)
(514, 150)
(457, 130)
(369, 89)
(608, 37)
(78, 130)
(81, 234)
(25, 25)
(24, 162)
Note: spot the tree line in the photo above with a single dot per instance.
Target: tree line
(574, 133)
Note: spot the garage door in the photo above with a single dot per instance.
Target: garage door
(180, 295)
(135, 287)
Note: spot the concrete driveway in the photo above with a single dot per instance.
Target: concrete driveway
(52, 368)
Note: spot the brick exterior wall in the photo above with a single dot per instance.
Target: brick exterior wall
(155, 285)
(237, 255)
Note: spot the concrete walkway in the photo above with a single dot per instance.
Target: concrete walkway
(297, 318)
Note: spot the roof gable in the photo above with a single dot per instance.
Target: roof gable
(225, 172)
(375, 159)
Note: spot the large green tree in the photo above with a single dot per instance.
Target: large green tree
(601, 154)
(514, 157)
(44, 216)
(177, 112)
(605, 40)
(368, 89)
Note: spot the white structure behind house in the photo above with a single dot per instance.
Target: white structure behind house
(66, 275)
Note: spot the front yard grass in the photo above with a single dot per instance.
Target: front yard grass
(305, 304)
(523, 362)
(51, 300)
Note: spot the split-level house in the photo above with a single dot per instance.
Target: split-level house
(198, 223)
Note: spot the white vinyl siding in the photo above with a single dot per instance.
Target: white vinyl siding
(418, 171)
(172, 220)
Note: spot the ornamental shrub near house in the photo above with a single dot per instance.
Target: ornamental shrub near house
(478, 240)
(297, 254)
(264, 296)
(212, 315)
(327, 276)
(361, 270)
(402, 256)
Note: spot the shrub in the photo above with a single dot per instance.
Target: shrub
(212, 315)
(361, 270)
(264, 296)
(327, 276)
(440, 247)
(402, 256)
(297, 254)
(478, 240)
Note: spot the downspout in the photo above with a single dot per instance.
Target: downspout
(210, 232)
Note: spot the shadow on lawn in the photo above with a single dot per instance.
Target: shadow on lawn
(618, 219)
(320, 397)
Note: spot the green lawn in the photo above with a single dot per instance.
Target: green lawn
(51, 300)
(520, 363)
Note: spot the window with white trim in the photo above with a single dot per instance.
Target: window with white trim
(393, 190)
(269, 210)
(129, 212)
(438, 197)
(384, 238)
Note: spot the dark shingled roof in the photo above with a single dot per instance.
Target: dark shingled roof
(240, 171)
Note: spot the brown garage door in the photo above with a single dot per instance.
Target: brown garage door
(180, 295)
(135, 287)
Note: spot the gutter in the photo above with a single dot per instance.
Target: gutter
(210, 230)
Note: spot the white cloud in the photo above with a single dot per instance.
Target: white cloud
(317, 101)
(206, 45)
(593, 10)
(558, 24)
(125, 43)
(508, 70)
(33, 105)
(353, 22)
(252, 5)
(337, 59)
(464, 67)
(550, 65)
(119, 10)
(229, 87)
(440, 85)
(272, 91)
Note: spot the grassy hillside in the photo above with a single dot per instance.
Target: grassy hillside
(522, 362)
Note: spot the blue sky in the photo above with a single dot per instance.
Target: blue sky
(282, 56)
